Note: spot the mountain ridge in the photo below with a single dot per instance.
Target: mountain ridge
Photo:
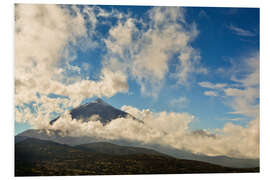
(114, 149)
(75, 141)
(34, 157)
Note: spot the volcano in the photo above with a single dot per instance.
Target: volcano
(105, 112)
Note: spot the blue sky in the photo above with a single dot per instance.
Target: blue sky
(196, 60)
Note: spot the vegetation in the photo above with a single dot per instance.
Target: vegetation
(35, 157)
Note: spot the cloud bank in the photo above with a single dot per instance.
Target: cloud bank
(168, 129)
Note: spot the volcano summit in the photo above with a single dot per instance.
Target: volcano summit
(103, 110)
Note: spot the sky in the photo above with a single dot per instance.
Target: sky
(180, 69)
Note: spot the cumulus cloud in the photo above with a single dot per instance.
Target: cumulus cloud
(145, 53)
(162, 121)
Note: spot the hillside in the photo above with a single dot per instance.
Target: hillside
(34, 157)
(113, 149)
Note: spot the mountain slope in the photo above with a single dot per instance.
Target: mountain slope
(20, 138)
(55, 136)
(34, 157)
(113, 149)
(105, 111)
(32, 149)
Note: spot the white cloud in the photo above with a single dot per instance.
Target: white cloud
(241, 32)
(245, 99)
(179, 103)
(168, 129)
(145, 53)
(162, 121)
(210, 85)
(217, 87)
(121, 36)
(210, 93)
(86, 67)
(243, 94)
(235, 119)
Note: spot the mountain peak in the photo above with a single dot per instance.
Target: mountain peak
(99, 107)
(99, 100)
